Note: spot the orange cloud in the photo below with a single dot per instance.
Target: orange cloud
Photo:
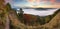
(38, 1)
(52, 1)
(48, 6)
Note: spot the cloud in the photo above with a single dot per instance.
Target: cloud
(52, 1)
(8, 1)
(40, 3)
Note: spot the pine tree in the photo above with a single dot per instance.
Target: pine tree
(8, 7)
(20, 15)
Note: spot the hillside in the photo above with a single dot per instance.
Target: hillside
(9, 19)
(54, 23)
(51, 25)
(15, 23)
(14, 20)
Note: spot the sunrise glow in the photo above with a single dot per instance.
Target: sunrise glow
(35, 3)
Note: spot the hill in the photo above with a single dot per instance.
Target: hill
(53, 24)
(9, 19)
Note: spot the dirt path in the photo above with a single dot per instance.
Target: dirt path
(7, 22)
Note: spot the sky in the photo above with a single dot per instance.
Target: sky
(35, 3)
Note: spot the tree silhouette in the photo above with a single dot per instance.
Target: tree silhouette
(20, 15)
(8, 6)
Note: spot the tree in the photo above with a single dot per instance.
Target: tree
(38, 20)
(8, 7)
(20, 14)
